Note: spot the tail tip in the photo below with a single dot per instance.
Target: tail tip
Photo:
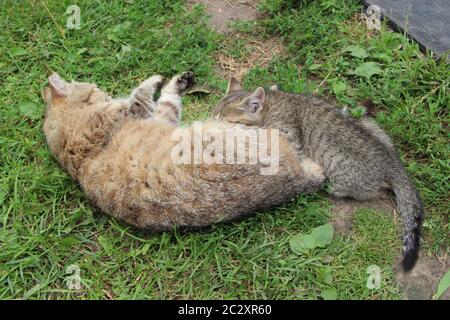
(410, 257)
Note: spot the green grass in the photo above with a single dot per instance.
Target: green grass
(410, 89)
(47, 224)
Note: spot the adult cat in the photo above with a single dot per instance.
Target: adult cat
(121, 153)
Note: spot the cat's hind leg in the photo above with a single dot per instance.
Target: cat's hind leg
(169, 103)
(314, 173)
(142, 103)
(361, 194)
(375, 130)
(372, 127)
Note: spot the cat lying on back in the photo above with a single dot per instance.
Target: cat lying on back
(120, 153)
(358, 158)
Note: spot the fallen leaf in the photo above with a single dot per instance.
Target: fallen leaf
(444, 284)
(356, 51)
(16, 52)
(368, 69)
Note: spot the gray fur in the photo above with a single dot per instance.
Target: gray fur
(142, 104)
(358, 157)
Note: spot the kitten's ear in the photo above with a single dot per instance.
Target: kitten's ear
(57, 85)
(256, 100)
(233, 85)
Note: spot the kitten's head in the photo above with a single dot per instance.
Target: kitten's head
(240, 106)
(60, 93)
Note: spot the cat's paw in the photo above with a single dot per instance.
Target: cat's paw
(274, 88)
(312, 169)
(184, 82)
(179, 84)
(153, 83)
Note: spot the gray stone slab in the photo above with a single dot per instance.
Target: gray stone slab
(426, 21)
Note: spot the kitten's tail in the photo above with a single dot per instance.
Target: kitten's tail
(410, 207)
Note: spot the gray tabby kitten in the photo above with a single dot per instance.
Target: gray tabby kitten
(357, 156)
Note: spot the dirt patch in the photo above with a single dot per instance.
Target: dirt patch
(344, 209)
(421, 283)
(259, 53)
(255, 51)
(223, 12)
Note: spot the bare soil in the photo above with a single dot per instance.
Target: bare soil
(223, 12)
(344, 209)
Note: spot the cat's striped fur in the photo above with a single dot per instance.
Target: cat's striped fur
(358, 157)
(120, 153)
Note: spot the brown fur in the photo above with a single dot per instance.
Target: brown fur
(122, 161)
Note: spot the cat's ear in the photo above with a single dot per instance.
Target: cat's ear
(46, 95)
(233, 85)
(57, 85)
(256, 100)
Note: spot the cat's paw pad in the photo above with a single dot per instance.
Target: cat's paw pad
(185, 81)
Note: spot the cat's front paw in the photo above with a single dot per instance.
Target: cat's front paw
(185, 81)
(312, 169)
(159, 82)
(153, 83)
